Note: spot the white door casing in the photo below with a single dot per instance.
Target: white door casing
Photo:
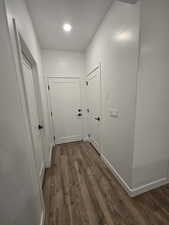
(94, 107)
(65, 94)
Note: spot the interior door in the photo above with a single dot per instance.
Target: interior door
(66, 109)
(33, 111)
(94, 108)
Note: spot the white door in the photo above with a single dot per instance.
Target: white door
(94, 108)
(66, 109)
(31, 101)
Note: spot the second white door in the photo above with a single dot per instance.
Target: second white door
(33, 111)
(94, 108)
(67, 112)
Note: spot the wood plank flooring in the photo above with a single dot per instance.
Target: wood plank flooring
(80, 190)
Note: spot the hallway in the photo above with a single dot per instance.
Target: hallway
(84, 112)
(80, 190)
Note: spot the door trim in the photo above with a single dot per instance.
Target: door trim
(94, 69)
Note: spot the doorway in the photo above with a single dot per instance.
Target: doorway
(66, 109)
(28, 84)
(93, 83)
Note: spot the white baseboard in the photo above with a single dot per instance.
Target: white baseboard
(68, 139)
(117, 175)
(48, 164)
(133, 192)
(150, 186)
(42, 220)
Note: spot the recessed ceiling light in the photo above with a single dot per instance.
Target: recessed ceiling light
(67, 27)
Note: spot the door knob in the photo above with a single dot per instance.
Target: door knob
(97, 118)
(40, 127)
(79, 114)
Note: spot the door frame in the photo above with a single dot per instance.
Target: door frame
(18, 48)
(99, 68)
(50, 101)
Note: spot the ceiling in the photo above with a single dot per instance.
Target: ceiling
(49, 15)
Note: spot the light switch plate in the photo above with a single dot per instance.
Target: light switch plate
(113, 112)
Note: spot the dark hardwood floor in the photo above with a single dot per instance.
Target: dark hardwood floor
(80, 190)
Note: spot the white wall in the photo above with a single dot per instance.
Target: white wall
(65, 64)
(17, 9)
(19, 193)
(115, 46)
(151, 152)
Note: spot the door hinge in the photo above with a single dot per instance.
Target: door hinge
(51, 114)
(87, 83)
(48, 87)
(54, 138)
